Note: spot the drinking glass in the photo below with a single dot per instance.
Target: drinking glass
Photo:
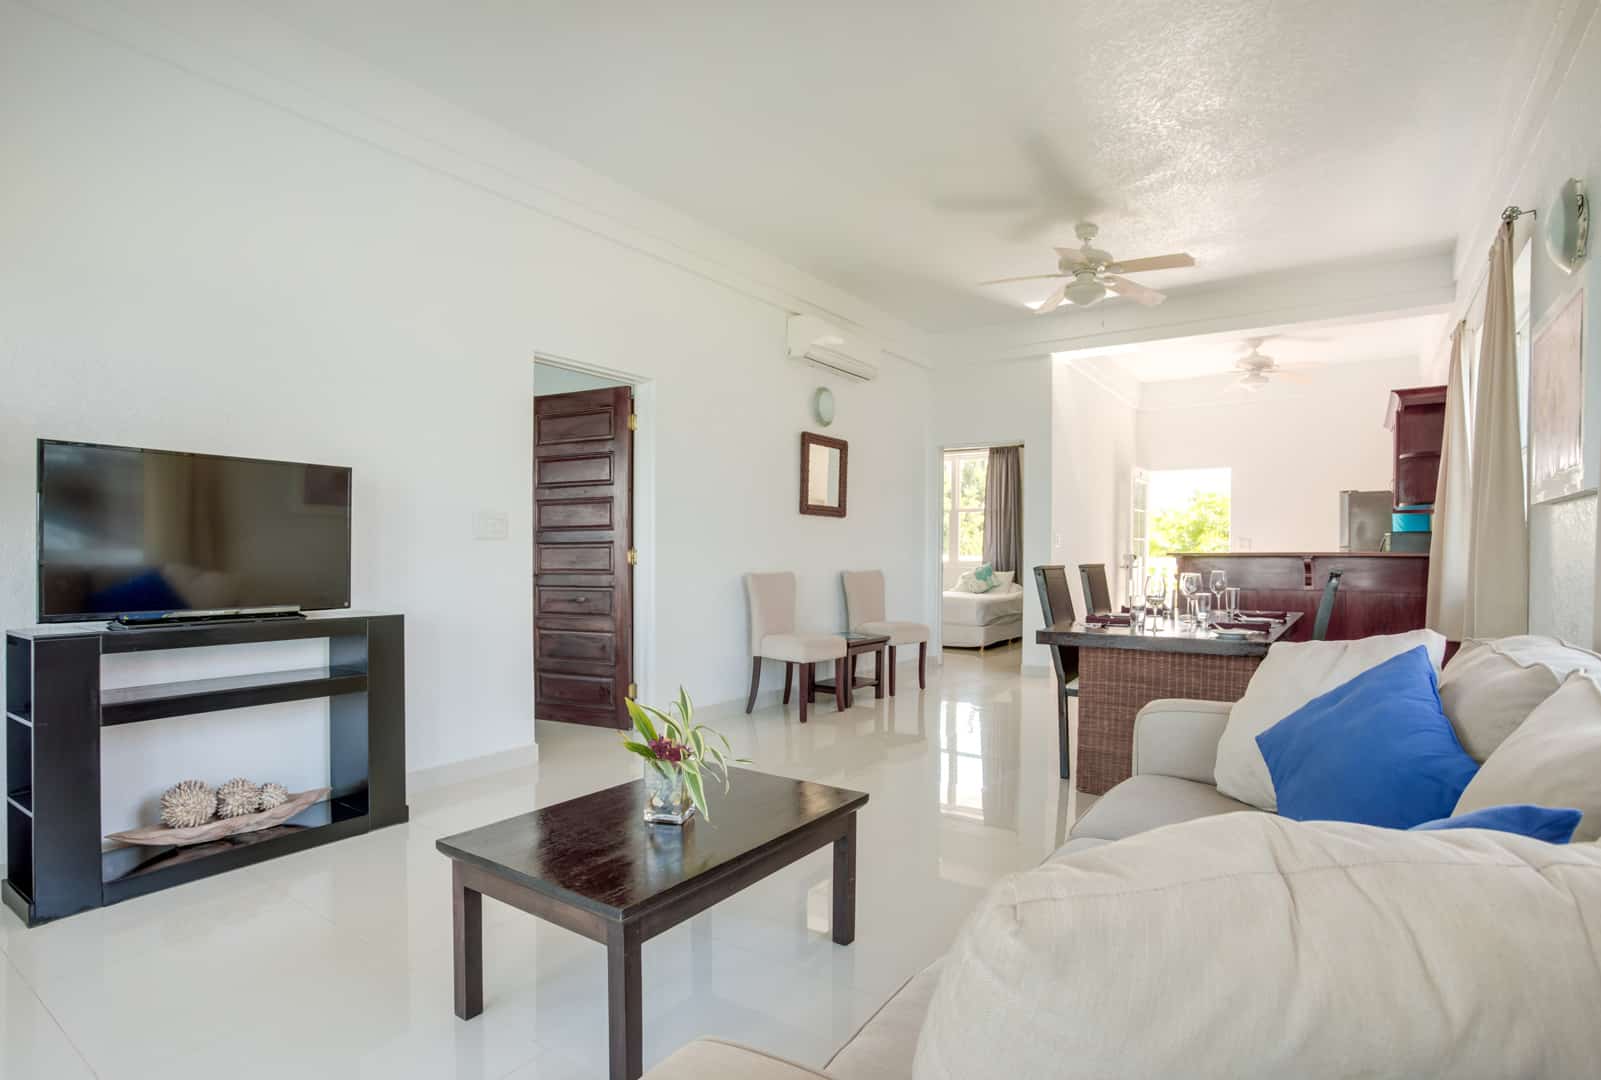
(1231, 601)
(1189, 585)
(1219, 581)
(1155, 594)
(1203, 608)
(1136, 609)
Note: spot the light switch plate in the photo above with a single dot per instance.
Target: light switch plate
(491, 525)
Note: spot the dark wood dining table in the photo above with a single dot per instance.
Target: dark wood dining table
(1121, 670)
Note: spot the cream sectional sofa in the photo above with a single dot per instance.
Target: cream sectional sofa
(1364, 951)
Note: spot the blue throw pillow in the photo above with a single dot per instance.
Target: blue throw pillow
(986, 576)
(1551, 824)
(1376, 750)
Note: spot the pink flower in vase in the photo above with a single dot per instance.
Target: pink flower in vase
(667, 750)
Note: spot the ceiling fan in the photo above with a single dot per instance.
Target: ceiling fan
(1256, 366)
(1093, 273)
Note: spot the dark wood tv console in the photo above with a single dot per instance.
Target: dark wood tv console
(55, 708)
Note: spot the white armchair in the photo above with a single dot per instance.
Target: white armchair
(773, 637)
(1178, 737)
(1175, 754)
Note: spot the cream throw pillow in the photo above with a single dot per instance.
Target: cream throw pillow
(1248, 945)
(1292, 674)
(968, 582)
(1490, 686)
(1552, 759)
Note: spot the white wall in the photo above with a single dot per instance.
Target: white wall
(1562, 570)
(1561, 140)
(989, 404)
(1291, 447)
(195, 267)
(1094, 453)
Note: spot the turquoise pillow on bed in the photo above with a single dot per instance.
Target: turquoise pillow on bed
(1552, 824)
(1377, 750)
(985, 576)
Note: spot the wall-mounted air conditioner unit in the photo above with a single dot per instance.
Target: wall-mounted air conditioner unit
(824, 345)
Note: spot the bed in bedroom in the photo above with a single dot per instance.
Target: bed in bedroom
(974, 620)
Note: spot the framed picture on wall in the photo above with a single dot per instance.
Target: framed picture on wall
(1556, 403)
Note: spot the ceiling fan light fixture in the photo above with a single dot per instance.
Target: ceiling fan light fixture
(1084, 292)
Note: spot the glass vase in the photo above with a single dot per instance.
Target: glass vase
(667, 800)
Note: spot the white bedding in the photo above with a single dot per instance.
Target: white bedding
(982, 609)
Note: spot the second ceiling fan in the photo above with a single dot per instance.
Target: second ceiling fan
(1092, 274)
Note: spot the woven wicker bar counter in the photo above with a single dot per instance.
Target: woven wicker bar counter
(1121, 670)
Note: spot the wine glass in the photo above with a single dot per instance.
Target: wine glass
(1189, 585)
(1219, 581)
(1155, 593)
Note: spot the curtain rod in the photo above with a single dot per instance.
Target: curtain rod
(981, 446)
(1509, 216)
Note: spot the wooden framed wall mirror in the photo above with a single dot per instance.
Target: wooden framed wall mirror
(822, 475)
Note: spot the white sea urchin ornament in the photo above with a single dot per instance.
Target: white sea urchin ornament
(272, 795)
(237, 797)
(187, 804)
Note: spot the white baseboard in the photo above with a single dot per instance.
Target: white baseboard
(457, 772)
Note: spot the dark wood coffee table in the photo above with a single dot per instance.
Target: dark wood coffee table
(855, 646)
(593, 866)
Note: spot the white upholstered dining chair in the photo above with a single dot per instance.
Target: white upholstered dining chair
(864, 612)
(773, 637)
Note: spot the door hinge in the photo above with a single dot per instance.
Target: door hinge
(633, 557)
(633, 692)
(633, 421)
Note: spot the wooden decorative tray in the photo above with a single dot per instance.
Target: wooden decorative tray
(221, 828)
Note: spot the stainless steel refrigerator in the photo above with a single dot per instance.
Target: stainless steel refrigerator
(1364, 519)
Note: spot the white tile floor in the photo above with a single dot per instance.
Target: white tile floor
(336, 962)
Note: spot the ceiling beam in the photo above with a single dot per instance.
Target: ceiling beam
(1399, 284)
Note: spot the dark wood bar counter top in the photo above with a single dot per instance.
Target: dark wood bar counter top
(1380, 592)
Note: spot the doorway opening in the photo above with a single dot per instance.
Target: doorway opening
(1184, 510)
(981, 572)
(585, 544)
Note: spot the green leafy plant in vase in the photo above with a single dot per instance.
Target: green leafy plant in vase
(679, 757)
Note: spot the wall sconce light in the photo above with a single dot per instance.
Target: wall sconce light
(1567, 226)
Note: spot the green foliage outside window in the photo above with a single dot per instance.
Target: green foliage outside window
(974, 474)
(1201, 525)
(967, 501)
(970, 541)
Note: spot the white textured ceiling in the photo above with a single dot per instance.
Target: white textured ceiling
(1405, 340)
(905, 151)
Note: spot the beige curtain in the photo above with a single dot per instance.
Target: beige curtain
(1453, 506)
(1003, 508)
(1496, 601)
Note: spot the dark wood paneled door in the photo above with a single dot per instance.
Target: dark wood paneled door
(583, 565)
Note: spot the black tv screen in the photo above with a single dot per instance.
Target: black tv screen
(125, 531)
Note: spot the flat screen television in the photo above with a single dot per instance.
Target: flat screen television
(124, 531)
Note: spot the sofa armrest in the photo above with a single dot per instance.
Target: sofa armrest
(1178, 737)
(705, 1058)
